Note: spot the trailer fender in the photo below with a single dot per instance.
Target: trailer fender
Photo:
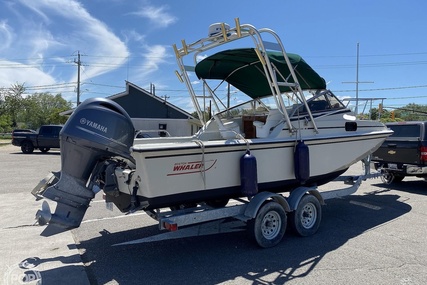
(296, 195)
(256, 202)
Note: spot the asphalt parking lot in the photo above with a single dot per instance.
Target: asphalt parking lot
(375, 236)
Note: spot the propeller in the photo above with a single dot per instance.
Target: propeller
(44, 215)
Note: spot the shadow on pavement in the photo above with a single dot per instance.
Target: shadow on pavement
(415, 186)
(29, 271)
(223, 257)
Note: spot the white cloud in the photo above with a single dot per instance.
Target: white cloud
(31, 76)
(92, 37)
(5, 35)
(45, 35)
(132, 35)
(157, 15)
(152, 58)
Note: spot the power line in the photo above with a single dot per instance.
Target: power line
(384, 89)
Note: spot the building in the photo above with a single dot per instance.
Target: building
(152, 114)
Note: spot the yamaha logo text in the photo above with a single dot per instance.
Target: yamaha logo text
(93, 125)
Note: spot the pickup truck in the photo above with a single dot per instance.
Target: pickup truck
(404, 153)
(45, 138)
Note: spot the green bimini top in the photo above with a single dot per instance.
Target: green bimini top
(242, 69)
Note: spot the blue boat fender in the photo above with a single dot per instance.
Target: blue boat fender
(248, 175)
(302, 162)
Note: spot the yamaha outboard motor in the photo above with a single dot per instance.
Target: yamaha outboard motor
(98, 129)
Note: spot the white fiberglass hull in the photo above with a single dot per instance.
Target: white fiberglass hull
(193, 171)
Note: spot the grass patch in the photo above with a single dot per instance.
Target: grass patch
(5, 139)
(5, 136)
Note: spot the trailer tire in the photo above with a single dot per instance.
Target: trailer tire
(44, 149)
(27, 147)
(398, 178)
(305, 220)
(389, 177)
(269, 225)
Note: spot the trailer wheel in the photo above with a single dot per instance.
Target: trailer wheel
(389, 177)
(27, 147)
(398, 178)
(305, 220)
(269, 225)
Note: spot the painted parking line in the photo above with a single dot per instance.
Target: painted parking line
(366, 205)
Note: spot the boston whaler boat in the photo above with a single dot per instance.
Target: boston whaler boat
(289, 137)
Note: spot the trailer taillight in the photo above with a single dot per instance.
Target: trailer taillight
(170, 226)
(423, 150)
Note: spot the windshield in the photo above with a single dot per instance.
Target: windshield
(321, 101)
(250, 108)
(317, 101)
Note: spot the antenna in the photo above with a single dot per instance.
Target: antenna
(357, 81)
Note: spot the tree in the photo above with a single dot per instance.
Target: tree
(31, 111)
(44, 108)
(206, 115)
(412, 112)
(5, 123)
(12, 102)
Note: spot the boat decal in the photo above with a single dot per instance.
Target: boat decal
(93, 125)
(180, 168)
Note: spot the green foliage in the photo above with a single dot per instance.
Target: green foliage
(206, 115)
(30, 111)
(12, 102)
(410, 112)
(5, 124)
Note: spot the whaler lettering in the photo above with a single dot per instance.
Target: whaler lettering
(180, 168)
(187, 166)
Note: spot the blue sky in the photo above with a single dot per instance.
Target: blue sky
(132, 40)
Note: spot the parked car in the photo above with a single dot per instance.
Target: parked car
(404, 153)
(45, 138)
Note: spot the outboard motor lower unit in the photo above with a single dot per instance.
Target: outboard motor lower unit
(98, 129)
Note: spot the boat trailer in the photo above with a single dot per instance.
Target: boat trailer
(264, 215)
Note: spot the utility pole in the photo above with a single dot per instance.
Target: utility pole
(78, 62)
(357, 81)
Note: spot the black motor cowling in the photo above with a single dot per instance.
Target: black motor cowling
(98, 129)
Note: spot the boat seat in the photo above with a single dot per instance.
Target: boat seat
(273, 119)
(228, 129)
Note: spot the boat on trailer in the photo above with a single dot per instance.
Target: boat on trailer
(291, 135)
